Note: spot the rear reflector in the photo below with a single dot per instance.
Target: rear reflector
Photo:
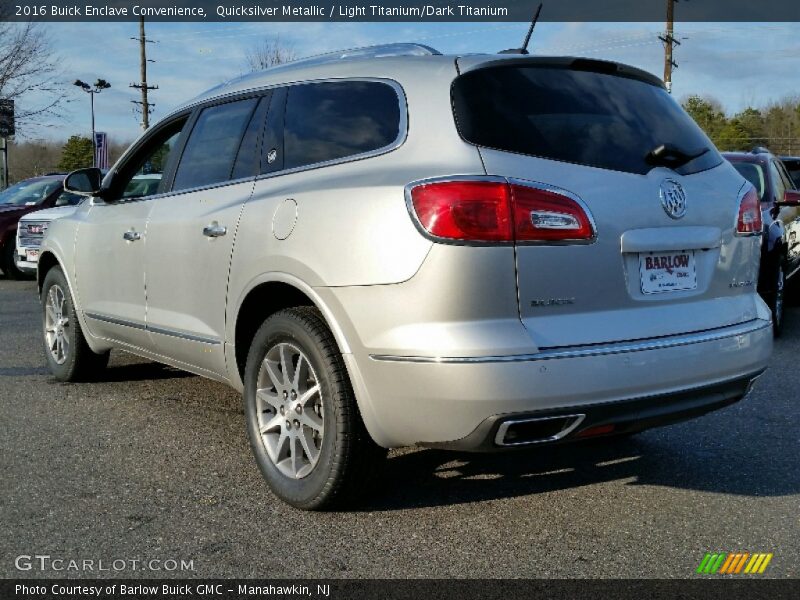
(597, 430)
(498, 211)
(749, 220)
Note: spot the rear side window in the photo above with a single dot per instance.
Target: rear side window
(213, 144)
(754, 173)
(330, 121)
(579, 116)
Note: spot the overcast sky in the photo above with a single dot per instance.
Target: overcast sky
(737, 63)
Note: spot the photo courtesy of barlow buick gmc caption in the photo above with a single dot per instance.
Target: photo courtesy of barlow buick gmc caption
(400, 300)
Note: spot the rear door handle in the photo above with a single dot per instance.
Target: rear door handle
(131, 236)
(214, 230)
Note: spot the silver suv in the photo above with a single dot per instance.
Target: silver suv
(395, 247)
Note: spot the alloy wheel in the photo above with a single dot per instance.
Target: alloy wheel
(289, 405)
(56, 325)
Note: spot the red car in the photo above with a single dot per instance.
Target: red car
(20, 199)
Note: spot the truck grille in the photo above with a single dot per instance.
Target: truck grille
(30, 233)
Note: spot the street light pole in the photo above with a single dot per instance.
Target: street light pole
(99, 86)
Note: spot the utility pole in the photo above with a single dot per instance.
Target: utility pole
(142, 85)
(669, 42)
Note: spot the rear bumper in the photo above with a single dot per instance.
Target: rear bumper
(597, 420)
(461, 402)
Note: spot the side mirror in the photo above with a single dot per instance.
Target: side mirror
(790, 198)
(85, 182)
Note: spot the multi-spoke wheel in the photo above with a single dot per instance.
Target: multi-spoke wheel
(69, 356)
(290, 416)
(56, 324)
(302, 418)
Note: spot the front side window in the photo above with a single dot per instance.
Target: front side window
(29, 193)
(142, 175)
(334, 120)
(212, 147)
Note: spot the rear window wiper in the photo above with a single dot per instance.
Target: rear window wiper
(668, 155)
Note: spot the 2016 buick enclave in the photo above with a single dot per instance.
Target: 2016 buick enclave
(394, 247)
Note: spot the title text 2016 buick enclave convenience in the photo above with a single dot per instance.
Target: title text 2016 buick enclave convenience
(468, 252)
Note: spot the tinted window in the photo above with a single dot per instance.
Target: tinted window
(778, 184)
(754, 173)
(578, 116)
(327, 121)
(213, 144)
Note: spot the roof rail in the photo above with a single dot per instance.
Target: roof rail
(380, 51)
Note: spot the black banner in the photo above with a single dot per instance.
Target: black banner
(412, 589)
(398, 10)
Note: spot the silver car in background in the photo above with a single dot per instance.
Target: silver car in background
(392, 247)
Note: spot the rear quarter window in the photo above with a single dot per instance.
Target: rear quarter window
(580, 116)
(329, 121)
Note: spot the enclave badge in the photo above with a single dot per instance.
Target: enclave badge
(673, 198)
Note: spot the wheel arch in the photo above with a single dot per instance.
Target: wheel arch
(265, 296)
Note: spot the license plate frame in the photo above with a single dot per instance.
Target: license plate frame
(667, 272)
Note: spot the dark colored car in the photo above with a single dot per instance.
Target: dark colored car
(792, 164)
(780, 210)
(20, 199)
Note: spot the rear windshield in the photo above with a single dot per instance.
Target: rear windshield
(577, 116)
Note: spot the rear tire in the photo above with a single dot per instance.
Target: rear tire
(9, 257)
(68, 355)
(302, 418)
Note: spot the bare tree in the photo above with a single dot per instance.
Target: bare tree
(28, 72)
(269, 53)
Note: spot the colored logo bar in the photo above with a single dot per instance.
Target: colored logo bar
(728, 563)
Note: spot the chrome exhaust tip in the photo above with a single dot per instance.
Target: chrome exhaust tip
(524, 432)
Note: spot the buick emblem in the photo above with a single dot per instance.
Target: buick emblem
(673, 198)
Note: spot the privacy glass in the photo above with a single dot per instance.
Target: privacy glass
(578, 116)
(212, 147)
(329, 121)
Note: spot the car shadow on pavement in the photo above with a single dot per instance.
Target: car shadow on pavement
(425, 478)
(140, 371)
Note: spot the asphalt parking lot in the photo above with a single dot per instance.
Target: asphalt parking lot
(153, 463)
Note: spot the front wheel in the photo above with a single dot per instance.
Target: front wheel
(68, 355)
(303, 422)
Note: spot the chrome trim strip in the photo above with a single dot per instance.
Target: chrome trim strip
(151, 329)
(501, 431)
(115, 321)
(598, 350)
(185, 336)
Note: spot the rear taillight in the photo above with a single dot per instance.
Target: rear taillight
(498, 211)
(547, 216)
(749, 220)
(464, 210)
